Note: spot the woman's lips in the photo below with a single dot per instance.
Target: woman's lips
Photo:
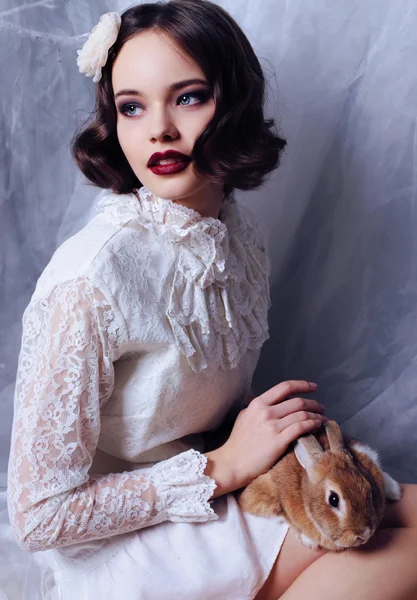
(169, 169)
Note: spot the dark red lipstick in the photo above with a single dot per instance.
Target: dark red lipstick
(179, 164)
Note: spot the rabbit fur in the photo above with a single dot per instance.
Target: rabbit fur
(328, 486)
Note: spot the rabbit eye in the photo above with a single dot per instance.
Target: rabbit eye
(334, 500)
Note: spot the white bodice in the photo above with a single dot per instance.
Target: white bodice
(143, 331)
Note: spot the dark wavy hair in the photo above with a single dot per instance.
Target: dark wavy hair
(237, 147)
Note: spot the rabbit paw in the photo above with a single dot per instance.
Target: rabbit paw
(392, 488)
(308, 542)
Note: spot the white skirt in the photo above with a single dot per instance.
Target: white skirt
(226, 559)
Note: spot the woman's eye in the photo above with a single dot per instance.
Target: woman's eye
(125, 109)
(128, 109)
(198, 95)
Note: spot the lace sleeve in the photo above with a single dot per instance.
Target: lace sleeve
(65, 375)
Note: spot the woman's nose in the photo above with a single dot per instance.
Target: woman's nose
(162, 126)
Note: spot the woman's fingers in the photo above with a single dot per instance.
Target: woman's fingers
(299, 417)
(295, 405)
(282, 390)
(293, 431)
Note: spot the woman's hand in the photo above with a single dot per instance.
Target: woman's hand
(261, 434)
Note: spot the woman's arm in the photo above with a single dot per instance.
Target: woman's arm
(65, 376)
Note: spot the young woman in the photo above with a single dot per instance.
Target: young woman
(142, 336)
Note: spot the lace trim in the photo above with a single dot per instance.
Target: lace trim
(205, 238)
(220, 293)
(65, 377)
(183, 489)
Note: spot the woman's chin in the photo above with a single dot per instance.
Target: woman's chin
(173, 187)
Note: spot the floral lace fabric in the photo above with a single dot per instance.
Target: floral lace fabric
(65, 377)
(221, 283)
(96, 356)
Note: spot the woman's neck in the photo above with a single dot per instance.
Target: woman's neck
(207, 201)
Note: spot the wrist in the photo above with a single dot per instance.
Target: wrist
(219, 469)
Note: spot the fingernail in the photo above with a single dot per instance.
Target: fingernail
(322, 406)
(313, 384)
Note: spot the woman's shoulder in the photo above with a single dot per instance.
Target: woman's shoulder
(83, 253)
(255, 228)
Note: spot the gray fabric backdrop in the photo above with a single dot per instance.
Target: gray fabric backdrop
(341, 210)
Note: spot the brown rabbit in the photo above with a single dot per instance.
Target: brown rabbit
(329, 487)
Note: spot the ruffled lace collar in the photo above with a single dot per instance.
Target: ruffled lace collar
(205, 239)
(220, 292)
(180, 218)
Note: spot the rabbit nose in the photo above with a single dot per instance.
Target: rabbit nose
(364, 536)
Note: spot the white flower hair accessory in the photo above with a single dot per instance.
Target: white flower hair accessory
(93, 55)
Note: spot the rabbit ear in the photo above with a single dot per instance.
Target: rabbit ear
(308, 451)
(335, 437)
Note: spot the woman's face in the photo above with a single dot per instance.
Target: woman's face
(153, 117)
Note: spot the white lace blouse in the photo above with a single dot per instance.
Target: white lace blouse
(143, 331)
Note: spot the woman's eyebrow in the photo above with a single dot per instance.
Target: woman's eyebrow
(173, 87)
